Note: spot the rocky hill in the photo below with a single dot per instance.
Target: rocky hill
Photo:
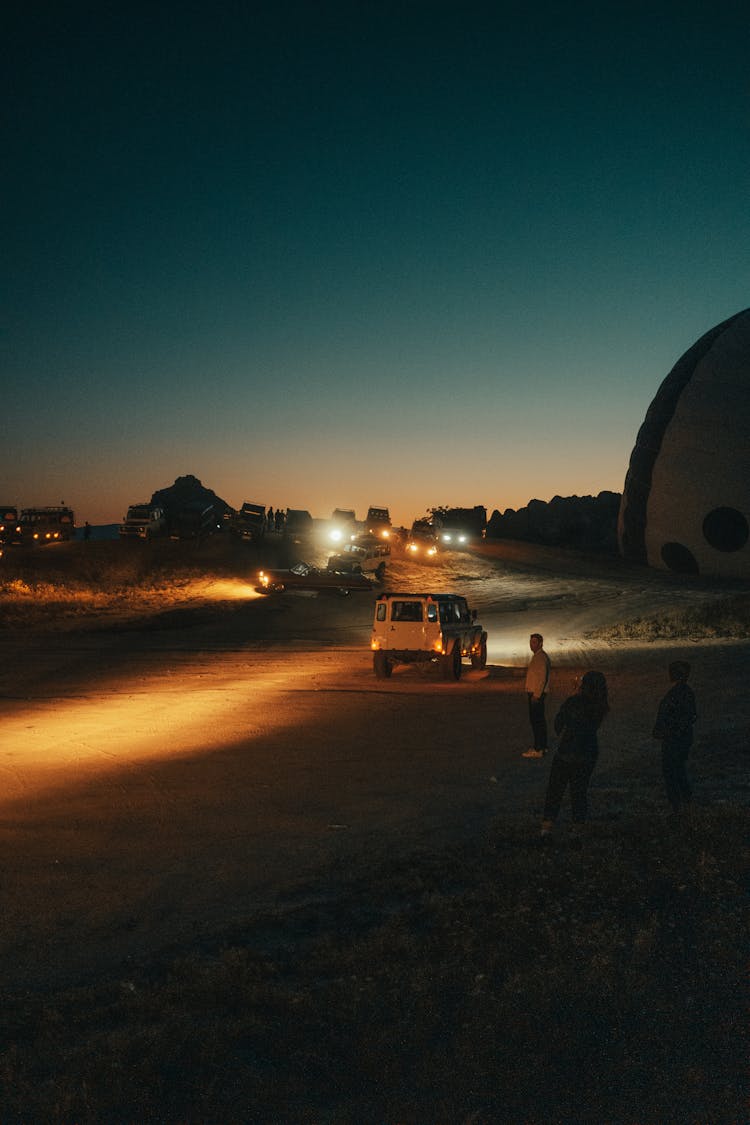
(586, 522)
(188, 490)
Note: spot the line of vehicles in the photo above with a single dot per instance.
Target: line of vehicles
(194, 520)
(355, 545)
(31, 526)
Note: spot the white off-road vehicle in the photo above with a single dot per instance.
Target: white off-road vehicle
(435, 629)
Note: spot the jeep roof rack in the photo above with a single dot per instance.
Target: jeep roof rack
(416, 594)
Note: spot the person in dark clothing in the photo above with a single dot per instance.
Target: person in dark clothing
(674, 729)
(576, 723)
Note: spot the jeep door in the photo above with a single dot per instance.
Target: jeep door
(406, 631)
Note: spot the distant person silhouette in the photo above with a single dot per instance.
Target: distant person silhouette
(86, 531)
(674, 729)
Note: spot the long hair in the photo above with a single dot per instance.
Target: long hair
(594, 690)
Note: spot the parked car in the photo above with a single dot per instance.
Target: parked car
(302, 576)
(143, 521)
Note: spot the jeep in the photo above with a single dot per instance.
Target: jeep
(437, 629)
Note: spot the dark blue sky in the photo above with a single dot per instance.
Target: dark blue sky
(328, 254)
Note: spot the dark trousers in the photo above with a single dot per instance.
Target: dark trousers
(538, 722)
(565, 772)
(674, 769)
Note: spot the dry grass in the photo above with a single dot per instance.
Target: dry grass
(719, 618)
(503, 982)
(42, 590)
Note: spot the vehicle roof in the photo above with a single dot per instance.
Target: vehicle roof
(434, 597)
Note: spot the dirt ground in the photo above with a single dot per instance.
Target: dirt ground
(169, 775)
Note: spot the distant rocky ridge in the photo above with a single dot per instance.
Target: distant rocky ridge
(586, 522)
(188, 490)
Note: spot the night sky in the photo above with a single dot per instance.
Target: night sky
(338, 254)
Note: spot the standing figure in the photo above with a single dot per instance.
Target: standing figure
(537, 680)
(577, 723)
(674, 728)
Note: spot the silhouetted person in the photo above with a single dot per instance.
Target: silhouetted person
(577, 723)
(86, 531)
(537, 681)
(674, 728)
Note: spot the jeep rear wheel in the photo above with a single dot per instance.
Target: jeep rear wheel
(381, 665)
(451, 664)
(479, 659)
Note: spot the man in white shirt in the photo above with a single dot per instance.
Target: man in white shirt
(537, 680)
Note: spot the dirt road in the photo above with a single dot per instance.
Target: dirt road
(167, 778)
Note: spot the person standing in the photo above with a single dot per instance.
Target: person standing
(577, 723)
(674, 728)
(537, 681)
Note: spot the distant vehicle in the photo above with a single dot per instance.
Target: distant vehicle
(302, 576)
(298, 524)
(454, 537)
(8, 523)
(458, 527)
(196, 520)
(44, 525)
(422, 541)
(420, 628)
(378, 523)
(342, 527)
(249, 524)
(143, 521)
(365, 553)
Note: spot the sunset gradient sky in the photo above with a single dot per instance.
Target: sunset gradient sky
(339, 254)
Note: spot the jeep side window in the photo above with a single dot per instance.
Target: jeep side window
(432, 613)
(381, 611)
